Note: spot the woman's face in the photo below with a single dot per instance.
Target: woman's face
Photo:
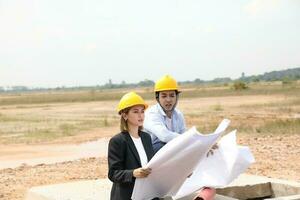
(135, 116)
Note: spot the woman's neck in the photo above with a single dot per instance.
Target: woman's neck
(133, 131)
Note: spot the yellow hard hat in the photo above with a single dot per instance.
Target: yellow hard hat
(167, 82)
(131, 99)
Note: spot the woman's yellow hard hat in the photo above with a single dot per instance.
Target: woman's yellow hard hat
(167, 82)
(131, 99)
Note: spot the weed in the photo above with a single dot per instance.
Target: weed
(217, 107)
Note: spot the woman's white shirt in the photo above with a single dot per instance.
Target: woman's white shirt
(140, 149)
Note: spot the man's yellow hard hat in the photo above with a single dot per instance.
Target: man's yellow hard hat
(131, 99)
(167, 82)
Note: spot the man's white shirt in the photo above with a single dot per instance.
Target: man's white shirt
(161, 128)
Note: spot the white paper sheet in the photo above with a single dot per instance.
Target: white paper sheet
(174, 162)
(227, 163)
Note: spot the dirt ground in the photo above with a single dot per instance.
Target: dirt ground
(15, 182)
(277, 155)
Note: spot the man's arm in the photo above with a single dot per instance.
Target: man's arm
(182, 121)
(155, 125)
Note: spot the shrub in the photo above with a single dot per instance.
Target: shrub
(240, 85)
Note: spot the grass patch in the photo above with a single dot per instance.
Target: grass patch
(255, 126)
(217, 107)
(67, 129)
(281, 126)
(270, 127)
(5, 118)
(192, 91)
(41, 98)
(48, 130)
(281, 105)
(38, 135)
(105, 122)
(209, 126)
(17, 124)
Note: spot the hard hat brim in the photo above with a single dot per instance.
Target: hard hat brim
(129, 106)
(167, 89)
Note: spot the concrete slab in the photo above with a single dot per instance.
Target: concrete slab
(251, 187)
(192, 196)
(79, 190)
(245, 187)
(293, 197)
(83, 190)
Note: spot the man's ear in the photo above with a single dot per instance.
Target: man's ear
(156, 96)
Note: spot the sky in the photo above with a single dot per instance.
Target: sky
(48, 43)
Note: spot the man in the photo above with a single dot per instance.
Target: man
(163, 121)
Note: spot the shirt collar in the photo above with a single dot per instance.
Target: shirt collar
(160, 109)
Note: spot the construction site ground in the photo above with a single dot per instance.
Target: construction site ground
(276, 157)
(276, 151)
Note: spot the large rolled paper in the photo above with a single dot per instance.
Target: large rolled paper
(219, 170)
(174, 162)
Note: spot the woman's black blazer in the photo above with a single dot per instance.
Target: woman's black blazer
(123, 158)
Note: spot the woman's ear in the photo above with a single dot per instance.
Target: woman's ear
(124, 116)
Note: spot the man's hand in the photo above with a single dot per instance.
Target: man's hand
(206, 193)
(141, 172)
(211, 151)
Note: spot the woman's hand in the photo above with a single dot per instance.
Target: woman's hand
(141, 172)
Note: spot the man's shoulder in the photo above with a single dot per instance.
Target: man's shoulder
(153, 109)
(178, 112)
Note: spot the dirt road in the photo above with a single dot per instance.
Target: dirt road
(13, 156)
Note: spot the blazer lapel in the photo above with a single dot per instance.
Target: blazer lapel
(146, 146)
(133, 148)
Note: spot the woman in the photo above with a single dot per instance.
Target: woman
(130, 150)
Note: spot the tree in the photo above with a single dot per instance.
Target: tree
(146, 83)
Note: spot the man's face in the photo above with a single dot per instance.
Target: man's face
(167, 99)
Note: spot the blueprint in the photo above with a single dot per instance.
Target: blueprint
(186, 155)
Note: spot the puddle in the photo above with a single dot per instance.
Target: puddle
(15, 156)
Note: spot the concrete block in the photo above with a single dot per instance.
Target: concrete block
(244, 187)
(247, 191)
(79, 190)
(84, 190)
(250, 187)
(292, 197)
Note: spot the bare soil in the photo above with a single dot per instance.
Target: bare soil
(277, 155)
